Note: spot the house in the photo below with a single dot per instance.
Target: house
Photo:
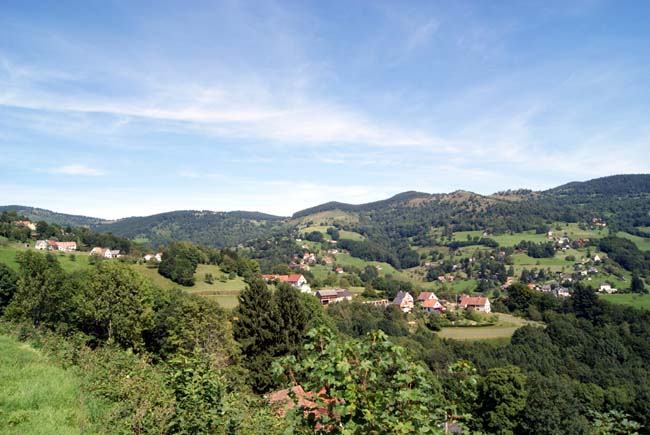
(53, 245)
(66, 246)
(327, 297)
(606, 288)
(26, 224)
(339, 270)
(295, 280)
(433, 306)
(477, 303)
(404, 301)
(115, 253)
(597, 259)
(327, 260)
(430, 303)
(425, 296)
(157, 257)
(442, 278)
(562, 292)
(102, 252)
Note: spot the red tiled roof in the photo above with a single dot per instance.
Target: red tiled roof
(472, 301)
(431, 303)
(424, 296)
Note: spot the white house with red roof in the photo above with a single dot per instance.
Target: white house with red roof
(430, 303)
(104, 252)
(476, 303)
(53, 245)
(296, 280)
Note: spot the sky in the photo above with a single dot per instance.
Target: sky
(125, 108)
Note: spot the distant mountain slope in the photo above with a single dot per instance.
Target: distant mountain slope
(334, 205)
(215, 229)
(612, 185)
(39, 214)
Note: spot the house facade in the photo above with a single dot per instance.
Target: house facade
(476, 303)
(295, 280)
(404, 301)
(327, 297)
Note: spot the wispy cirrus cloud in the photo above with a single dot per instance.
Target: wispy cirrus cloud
(77, 169)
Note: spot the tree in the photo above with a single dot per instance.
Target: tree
(8, 285)
(291, 319)
(179, 262)
(118, 305)
(255, 328)
(501, 397)
(637, 286)
(367, 386)
(42, 294)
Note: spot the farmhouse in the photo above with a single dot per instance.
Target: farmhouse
(430, 303)
(296, 280)
(477, 303)
(327, 297)
(157, 257)
(606, 288)
(53, 245)
(105, 252)
(26, 224)
(404, 301)
(42, 245)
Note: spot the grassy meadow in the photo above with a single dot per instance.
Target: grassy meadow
(37, 397)
(631, 299)
(502, 330)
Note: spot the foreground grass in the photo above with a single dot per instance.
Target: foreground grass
(502, 330)
(36, 397)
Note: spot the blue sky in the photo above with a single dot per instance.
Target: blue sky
(123, 108)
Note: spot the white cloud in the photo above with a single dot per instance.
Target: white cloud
(77, 169)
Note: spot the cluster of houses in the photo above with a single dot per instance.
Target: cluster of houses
(105, 252)
(430, 304)
(557, 291)
(53, 245)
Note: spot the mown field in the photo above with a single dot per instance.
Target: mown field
(631, 299)
(37, 397)
(503, 329)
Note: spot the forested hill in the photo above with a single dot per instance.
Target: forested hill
(334, 205)
(612, 185)
(39, 214)
(208, 228)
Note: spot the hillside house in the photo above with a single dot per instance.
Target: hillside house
(404, 301)
(476, 303)
(26, 224)
(606, 288)
(429, 303)
(104, 252)
(157, 257)
(66, 246)
(53, 245)
(327, 297)
(295, 280)
(339, 270)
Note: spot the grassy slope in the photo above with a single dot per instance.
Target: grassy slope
(35, 396)
(504, 329)
(641, 242)
(635, 300)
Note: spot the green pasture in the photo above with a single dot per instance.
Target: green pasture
(631, 299)
(503, 329)
(37, 397)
